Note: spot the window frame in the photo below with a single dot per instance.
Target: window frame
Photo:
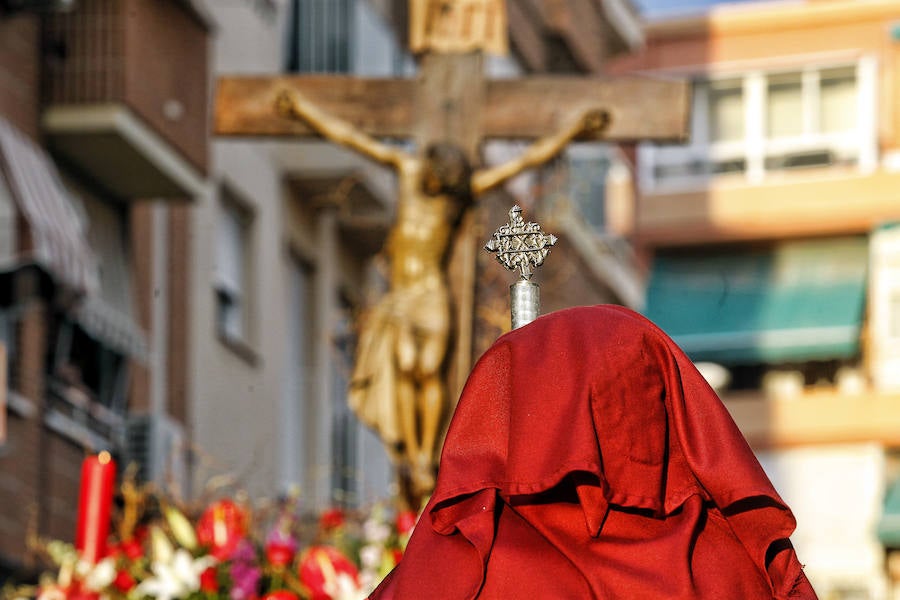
(315, 47)
(856, 147)
(238, 293)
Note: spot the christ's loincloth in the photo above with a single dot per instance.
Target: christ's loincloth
(422, 311)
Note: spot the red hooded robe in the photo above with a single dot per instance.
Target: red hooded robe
(588, 458)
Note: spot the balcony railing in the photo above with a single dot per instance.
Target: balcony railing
(76, 413)
(136, 69)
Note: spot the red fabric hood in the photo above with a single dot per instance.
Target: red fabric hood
(588, 458)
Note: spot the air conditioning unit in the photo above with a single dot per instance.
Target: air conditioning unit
(156, 445)
(39, 6)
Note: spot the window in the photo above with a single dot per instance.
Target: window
(726, 111)
(811, 118)
(587, 185)
(760, 123)
(91, 369)
(346, 428)
(837, 100)
(231, 271)
(320, 36)
(87, 395)
(297, 418)
(784, 106)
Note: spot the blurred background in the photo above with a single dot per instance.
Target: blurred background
(188, 301)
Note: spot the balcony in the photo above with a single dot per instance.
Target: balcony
(773, 154)
(814, 416)
(125, 91)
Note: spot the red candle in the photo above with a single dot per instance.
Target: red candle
(98, 476)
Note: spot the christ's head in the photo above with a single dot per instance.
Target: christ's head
(446, 171)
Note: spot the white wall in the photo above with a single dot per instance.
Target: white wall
(256, 419)
(236, 402)
(836, 493)
(246, 39)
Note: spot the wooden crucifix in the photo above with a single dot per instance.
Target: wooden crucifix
(398, 384)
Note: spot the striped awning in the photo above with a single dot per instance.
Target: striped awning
(115, 330)
(56, 238)
(798, 301)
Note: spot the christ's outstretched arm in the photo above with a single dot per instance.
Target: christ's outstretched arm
(538, 153)
(293, 105)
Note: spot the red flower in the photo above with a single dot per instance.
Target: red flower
(320, 566)
(406, 520)
(131, 548)
(124, 581)
(78, 592)
(281, 595)
(140, 533)
(209, 581)
(279, 554)
(331, 519)
(221, 527)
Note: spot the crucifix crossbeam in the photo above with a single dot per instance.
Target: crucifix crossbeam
(640, 108)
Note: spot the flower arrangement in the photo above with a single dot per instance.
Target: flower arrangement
(228, 550)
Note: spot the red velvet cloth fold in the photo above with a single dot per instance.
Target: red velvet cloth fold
(588, 458)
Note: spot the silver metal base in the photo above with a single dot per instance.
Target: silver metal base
(525, 302)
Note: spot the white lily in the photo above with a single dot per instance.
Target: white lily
(181, 527)
(376, 531)
(99, 576)
(53, 592)
(370, 556)
(343, 587)
(161, 548)
(175, 578)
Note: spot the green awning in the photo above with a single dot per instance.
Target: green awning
(889, 524)
(796, 301)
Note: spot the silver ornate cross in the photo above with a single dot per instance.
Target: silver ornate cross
(523, 246)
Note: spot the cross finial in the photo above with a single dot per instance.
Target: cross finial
(520, 245)
(523, 246)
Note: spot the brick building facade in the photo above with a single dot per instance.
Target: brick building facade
(97, 132)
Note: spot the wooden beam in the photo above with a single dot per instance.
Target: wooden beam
(641, 108)
(245, 106)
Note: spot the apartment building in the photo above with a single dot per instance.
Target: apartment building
(773, 240)
(102, 144)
